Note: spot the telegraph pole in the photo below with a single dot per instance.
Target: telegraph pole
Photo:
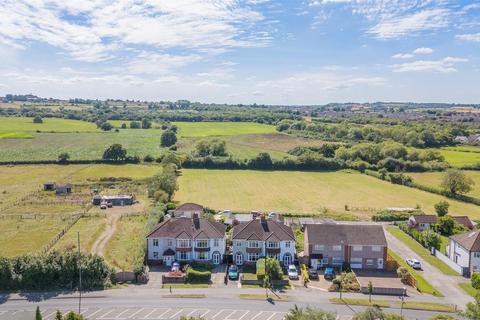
(79, 277)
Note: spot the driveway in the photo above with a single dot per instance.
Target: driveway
(448, 285)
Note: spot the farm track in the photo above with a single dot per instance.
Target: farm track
(98, 247)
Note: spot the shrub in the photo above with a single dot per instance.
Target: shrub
(148, 158)
(37, 119)
(195, 276)
(168, 138)
(475, 280)
(403, 274)
(386, 215)
(309, 314)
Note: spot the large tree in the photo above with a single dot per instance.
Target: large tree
(168, 138)
(115, 152)
(442, 208)
(456, 182)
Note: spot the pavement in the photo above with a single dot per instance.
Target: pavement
(448, 285)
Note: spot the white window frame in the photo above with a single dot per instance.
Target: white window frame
(287, 244)
(273, 244)
(476, 254)
(201, 243)
(155, 255)
(170, 242)
(357, 248)
(202, 255)
(155, 242)
(253, 244)
(376, 248)
(182, 253)
(216, 242)
(184, 243)
(252, 256)
(319, 247)
(337, 247)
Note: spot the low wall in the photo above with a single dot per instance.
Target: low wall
(167, 279)
(383, 291)
(125, 276)
(459, 269)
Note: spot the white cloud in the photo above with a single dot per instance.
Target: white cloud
(474, 37)
(445, 65)
(423, 50)
(152, 63)
(403, 56)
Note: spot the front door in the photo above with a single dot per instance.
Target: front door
(315, 264)
(287, 259)
(216, 258)
(380, 264)
(168, 260)
(238, 259)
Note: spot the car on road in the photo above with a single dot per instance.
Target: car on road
(233, 273)
(313, 274)
(175, 267)
(329, 273)
(292, 272)
(414, 263)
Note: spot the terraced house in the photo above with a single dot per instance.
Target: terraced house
(187, 239)
(259, 238)
(362, 246)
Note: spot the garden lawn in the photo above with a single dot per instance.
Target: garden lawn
(205, 129)
(124, 250)
(434, 179)
(443, 245)
(422, 284)
(90, 228)
(459, 157)
(49, 124)
(421, 251)
(18, 237)
(303, 192)
(467, 287)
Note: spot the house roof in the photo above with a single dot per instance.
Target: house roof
(189, 207)
(350, 234)
(464, 220)
(262, 230)
(431, 218)
(188, 227)
(470, 240)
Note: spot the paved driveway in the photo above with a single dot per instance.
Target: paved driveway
(448, 285)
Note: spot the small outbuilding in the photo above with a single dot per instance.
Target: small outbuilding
(49, 186)
(63, 188)
(116, 200)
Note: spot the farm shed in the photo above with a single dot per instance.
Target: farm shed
(49, 186)
(63, 188)
(119, 200)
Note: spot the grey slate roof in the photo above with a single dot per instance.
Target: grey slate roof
(194, 228)
(470, 240)
(351, 234)
(262, 230)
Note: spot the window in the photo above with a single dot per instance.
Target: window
(273, 245)
(356, 260)
(202, 243)
(202, 255)
(319, 247)
(337, 248)
(287, 244)
(237, 243)
(324, 261)
(170, 243)
(155, 255)
(182, 255)
(253, 244)
(252, 257)
(216, 242)
(476, 254)
(155, 242)
(369, 262)
(337, 260)
(275, 256)
(183, 243)
(357, 248)
(376, 248)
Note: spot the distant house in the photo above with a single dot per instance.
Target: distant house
(423, 222)
(260, 238)
(461, 139)
(362, 246)
(464, 250)
(49, 186)
(187, 239)
(63, 188)
(188, 210)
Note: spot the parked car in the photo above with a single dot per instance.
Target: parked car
(109, 204)
(313, 274)
(233, 272)
(329, 273)
(175, 267)
(103, 206)
(292, 272)
(414, 263)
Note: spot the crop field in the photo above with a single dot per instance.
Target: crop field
(49, 124)
(205, 129)
(304, 192)
(434, 179)
(27, 235)
(15, 135)
(461, 156)
(89, 228)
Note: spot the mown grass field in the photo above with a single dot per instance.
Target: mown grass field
(205, 129)
(15, 135)
(90, 229)
(304, 192)
(19, 237)
(461, 156)
(123, 250)
(434, 179)
(49, 124)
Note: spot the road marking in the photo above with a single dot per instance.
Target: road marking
(274, 313)
(203, 314)
(83, 311)
(148, 315)
(161, 316)
(124, 311)
(104, 316)
(176, 314)
(216, 314)
(50, 314)
(136, 312)
(257, 315)
(244, 315)
(91, 315)
(194, 310)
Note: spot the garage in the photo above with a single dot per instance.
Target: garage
(356, 263)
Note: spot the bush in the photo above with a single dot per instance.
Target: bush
(386, 215)
(309, 314)
(403, 274)
(195, 276)
(37, 119)
(148, 158)
(168, 138)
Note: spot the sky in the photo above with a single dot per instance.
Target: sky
(243, 51)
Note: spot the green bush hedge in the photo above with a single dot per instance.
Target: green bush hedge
(195, 276)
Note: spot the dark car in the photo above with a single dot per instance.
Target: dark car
(233, 272)
(329, 273)
(313, 274)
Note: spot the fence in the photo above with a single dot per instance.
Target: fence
(52, 242)
(459, 269)
(392, 265)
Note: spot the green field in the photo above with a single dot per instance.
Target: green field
(15, 135)
(303, 192)
(461, 156)
(205, 129)
(89, 228)
(49, 124)
(434, 179)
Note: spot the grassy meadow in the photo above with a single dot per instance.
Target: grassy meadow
(90, 229)
(15, 135)
(205, 129)
(461, 155)
(304, 192)
(434, 179)
(49, 124)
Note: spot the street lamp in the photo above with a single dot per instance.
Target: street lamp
(403, 298)
(341, 269)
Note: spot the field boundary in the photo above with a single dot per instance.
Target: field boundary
(59, 236)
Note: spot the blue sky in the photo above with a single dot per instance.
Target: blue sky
(272, 52)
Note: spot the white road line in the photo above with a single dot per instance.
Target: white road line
(257, 315)
(148, 315)
(203, 314)
(161, 316)
(247, 311)
(136, 312)
(2, 312)
(274, 313)
(83, 311)
(91, 315)
(105, 315)
(216, 314)
(228, 317)
(176, 314)
(49, 315)
(120, 314)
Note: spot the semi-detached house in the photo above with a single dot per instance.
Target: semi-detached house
(263, 238)
(187, 239)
